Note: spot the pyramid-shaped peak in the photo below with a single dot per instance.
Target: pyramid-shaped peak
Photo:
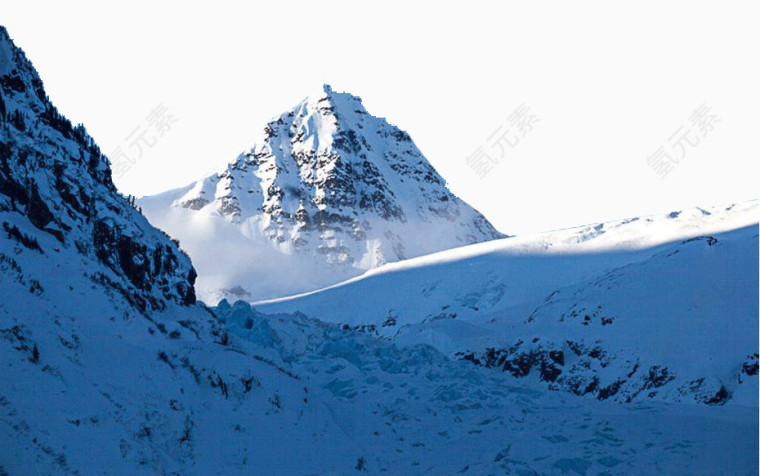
(324, 184)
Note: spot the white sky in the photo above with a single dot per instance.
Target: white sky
(609, 84)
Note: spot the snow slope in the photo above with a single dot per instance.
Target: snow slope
(324, 192)
(245, 393)
(515, 270)
(614, 310)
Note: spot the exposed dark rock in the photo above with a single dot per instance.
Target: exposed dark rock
(720, 398)
(750, 366)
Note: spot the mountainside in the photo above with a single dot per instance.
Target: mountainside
(325, 192)
(620, 311)
(55, 187)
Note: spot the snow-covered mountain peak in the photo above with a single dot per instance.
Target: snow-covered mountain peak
(325, 181)
(323, 123)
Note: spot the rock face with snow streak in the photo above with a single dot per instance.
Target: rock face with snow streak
(325, 188)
